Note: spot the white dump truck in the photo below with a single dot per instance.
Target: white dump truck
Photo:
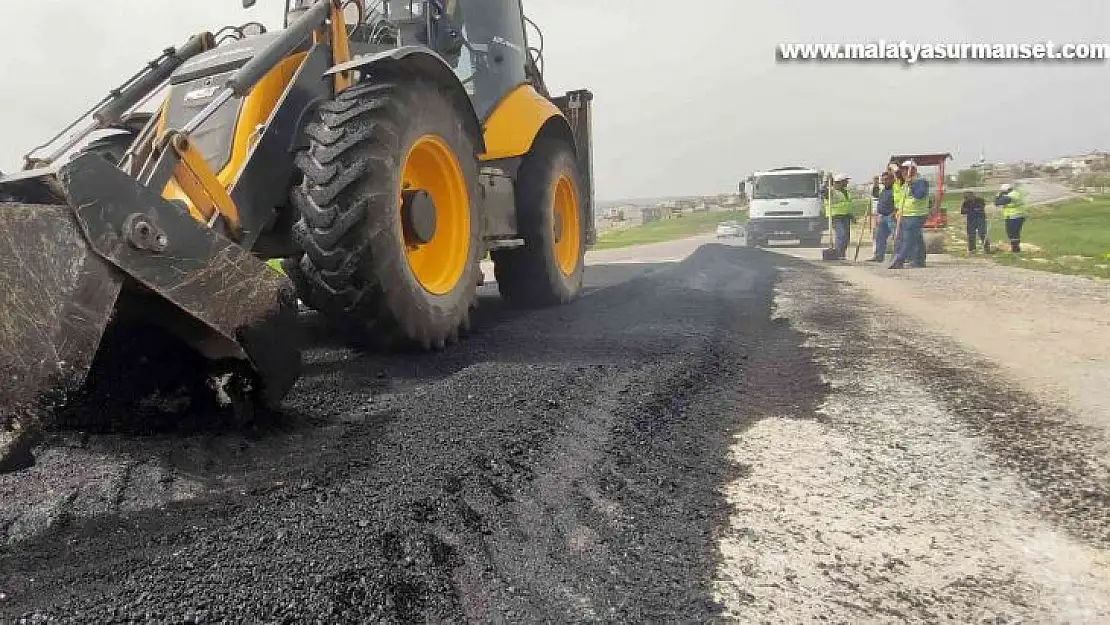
(785, 203)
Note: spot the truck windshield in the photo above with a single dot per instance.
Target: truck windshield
(785, 186)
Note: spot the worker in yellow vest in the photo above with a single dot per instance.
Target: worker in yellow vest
(1012, 208)
(838, 206)
(897, 182)
(885, 224)
(912, 200)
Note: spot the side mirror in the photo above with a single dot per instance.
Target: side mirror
(248, 3)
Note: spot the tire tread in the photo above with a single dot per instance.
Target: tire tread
(344, 227)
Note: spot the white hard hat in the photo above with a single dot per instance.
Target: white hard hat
(909, 163)
(1006, 187)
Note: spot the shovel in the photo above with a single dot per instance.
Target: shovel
(830, 253)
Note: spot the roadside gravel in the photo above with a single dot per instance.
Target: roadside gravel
(1050, 332)
(923, 491)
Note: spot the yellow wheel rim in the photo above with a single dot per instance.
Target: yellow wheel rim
(431, 166)
(568, 232)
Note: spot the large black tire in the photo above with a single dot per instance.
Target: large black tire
(301, 284)
(531, 276)
(355, 264)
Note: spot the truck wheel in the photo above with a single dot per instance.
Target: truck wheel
(387, 217)
(548, 269)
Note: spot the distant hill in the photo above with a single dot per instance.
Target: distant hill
(647, 201)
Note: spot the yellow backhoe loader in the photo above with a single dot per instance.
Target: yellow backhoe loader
(376, 150)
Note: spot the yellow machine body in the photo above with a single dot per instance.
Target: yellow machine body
(260, 151)
(254, 111)
(512, 127)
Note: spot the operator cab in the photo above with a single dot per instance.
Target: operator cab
(484, 41)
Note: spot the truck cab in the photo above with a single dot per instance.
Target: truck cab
(785, 203)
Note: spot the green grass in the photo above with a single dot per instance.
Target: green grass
(1071, 237)
(667, 229)
(860, 207)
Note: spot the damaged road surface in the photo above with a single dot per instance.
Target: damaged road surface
(732, 436)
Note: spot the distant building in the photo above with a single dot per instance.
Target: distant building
(1081, 164)
(728, 200)
(627, 216)
(630, 215)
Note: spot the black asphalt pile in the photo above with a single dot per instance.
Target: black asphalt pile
(559, 465)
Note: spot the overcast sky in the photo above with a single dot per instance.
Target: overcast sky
(689, 97)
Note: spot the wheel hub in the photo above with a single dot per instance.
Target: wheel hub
(418, 216)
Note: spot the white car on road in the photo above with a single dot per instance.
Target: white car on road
(728, 230)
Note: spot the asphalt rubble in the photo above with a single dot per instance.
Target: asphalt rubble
(558, 465)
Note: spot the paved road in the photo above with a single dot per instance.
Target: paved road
(1037, 191)
(711, 433)
(1041, 191)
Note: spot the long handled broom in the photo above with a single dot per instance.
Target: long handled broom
(829, 253)
(868, 223)
(898, 224)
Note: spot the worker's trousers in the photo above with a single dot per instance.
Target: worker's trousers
(883, 231)
(910, 243)
(976, 231)
(842, 232)
(1013, 232)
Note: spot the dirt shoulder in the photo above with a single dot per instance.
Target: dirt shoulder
(1050, 332)
(923, 489)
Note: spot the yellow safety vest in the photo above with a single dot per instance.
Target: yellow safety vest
(1015, 208)
(910, 206)
(275, 264)
(841, 204)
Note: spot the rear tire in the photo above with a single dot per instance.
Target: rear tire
(547, 270)
(362, 267)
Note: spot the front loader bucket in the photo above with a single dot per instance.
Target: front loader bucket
(118, 250)
(56, 298)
